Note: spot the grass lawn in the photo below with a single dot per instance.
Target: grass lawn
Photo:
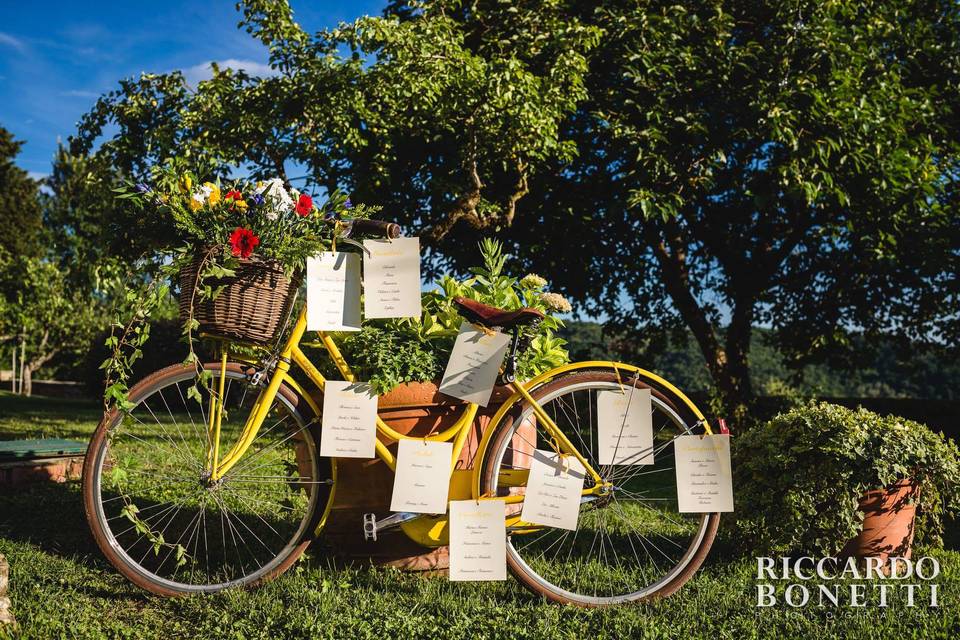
(61, 587)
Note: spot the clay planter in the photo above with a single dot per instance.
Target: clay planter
(365, 486)
(888, 519)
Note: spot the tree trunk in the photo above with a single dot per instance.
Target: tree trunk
(26, 381)
(23, 359)
(726, 361)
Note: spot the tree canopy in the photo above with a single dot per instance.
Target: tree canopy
(714, 165)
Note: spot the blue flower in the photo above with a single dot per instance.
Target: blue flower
(347, 204)
(142, 187)
(257, 199)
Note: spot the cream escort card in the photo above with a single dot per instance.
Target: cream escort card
(553, 492)
(478, 540)
(333, 292)
(391, 278)
(422, 477)
(625, 427)
(474, 364)
(349, 420)
(704, 483)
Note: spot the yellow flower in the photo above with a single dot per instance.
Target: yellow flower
(196, 202)
(240, 205)
(185, 184)
(213, 193)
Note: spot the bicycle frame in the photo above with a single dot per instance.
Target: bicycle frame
(465, 484)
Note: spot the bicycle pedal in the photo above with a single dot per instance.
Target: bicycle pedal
(370, 527)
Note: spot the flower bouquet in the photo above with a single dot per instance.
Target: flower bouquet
(242, 248)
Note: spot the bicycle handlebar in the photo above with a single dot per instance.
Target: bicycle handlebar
(382, 228)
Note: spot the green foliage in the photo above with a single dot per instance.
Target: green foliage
(389, 352)
(669, 164)
(21, 225)
(799, 478)
(388, 358)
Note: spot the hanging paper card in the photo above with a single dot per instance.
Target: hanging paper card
(704, 483)
(474, 364)
(422, 477)
(553, 492)
(333, 292)
(478, 535)
(349, 420)
(625, 427)
(391, 278)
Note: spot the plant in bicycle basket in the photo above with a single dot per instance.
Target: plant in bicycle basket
(390, 352)
(228, 235)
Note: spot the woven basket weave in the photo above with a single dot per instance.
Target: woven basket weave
(251, 307)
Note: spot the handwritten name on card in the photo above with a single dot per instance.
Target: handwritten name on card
(474, 364)
(554, 487)
(478, 535)
(349, 420)
(333, 292)
(391, 278)
(625, 427)
(704, 481)
(422, 478)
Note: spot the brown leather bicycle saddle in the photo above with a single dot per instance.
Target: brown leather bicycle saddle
(479, 313)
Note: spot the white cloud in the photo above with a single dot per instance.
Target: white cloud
(79, 93)
(203, 71)
(10, 41)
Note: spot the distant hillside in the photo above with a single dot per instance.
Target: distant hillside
(889, 374)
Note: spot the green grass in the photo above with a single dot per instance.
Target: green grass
(61, 587)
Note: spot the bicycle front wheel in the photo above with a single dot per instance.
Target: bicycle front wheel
(162, 522)
(632, 543)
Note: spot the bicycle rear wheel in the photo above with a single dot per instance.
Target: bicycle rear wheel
(630, 545)
(165, 526)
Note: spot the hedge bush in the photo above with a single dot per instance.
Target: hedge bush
(798, 478)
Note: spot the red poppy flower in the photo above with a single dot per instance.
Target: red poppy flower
(233, 195)
(243, 242)
(304, 205)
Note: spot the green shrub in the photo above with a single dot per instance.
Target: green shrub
(799, 478)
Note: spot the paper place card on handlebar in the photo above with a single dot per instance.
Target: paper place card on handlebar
(391, 278)
(333, 292)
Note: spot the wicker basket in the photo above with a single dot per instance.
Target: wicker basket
(252, 306)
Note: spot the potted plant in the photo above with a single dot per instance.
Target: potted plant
(404, 359)
(824, 480)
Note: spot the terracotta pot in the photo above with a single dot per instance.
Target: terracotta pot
(365, 486)
(888, 521)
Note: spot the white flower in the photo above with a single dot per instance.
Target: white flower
(277, 199)
(556, 302)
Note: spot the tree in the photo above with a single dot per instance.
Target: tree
(708, 165)
(46, 313)
(20, 221)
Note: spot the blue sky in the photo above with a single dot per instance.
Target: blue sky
(57, 57)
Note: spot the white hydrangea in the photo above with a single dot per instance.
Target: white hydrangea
(533, 281)
(556, 302)
(276, 198)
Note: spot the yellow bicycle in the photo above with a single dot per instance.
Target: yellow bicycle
(186, 497)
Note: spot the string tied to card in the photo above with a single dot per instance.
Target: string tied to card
(486, 330)
(337, 228)
(616, 370)
(564, 460)
(483, 496)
